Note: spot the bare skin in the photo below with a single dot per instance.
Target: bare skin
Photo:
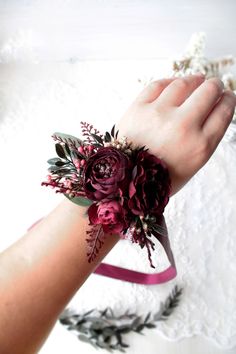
(179, 120)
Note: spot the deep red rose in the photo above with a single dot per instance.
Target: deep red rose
(106, 174)
(110, 214)
(150, 186)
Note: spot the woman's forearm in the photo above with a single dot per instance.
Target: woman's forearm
(57, 244)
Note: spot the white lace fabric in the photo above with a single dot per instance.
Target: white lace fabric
(200, 218)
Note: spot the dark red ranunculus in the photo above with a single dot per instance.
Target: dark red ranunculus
(110, 214)
(106, 174)
(150, 186)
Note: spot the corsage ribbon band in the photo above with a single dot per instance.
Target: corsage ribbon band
(124, 188)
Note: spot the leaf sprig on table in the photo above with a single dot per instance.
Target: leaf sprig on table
(104, 329)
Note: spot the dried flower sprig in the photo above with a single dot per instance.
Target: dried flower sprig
(104, 329)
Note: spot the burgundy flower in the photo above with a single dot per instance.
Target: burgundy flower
(110, 214)
(150, 187)
(106, 174)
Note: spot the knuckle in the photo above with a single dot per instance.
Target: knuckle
(228, 111)
(156, 84)
(181, 84)
(231, 97)
(214, 86)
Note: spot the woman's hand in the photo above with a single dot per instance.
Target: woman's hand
(181, 120)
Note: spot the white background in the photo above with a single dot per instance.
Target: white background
(115, 29)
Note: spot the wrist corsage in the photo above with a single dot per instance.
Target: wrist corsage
(124, 187)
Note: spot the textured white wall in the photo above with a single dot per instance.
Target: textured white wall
(114, 29)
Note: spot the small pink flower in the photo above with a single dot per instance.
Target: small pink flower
(48, 178)
(110, 214)
(90, 148)
(77, 163)
(81, 149)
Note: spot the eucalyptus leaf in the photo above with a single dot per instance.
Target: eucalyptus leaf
(150, 325)
(108, 331)
(67, 149)
(60, 151)
(96, 331)
(53, 160)
(83, 338)
(107, 137)
(60, 163)
(67, 137)
(98, 138)
(140, 328)
(102, 344)
(79, 200)
(88, 313)
(53, 168)
(147, 317)
(66, 321)
(124, 329)
(113, 131)
(137, 321)
(60, 170)
(97, 145)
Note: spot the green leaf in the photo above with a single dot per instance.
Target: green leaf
(60, 163)
(66, 321)
(97, 145)
(88, 313)
(53, 168)
(67, 137)
(59, 170)
(107, 137)
(107, 332)
(137, 321)
(147, 317)
(60, 151)
(83, 338)
(150, 325)
(67, 149)
(80, 200)
(140, 328)
(124, 329)
(113, 131)
(98, 138)
(53, 161)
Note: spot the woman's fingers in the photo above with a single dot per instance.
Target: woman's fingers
(219, 119)
(179, 90)
(152, 91)
(200, 103)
